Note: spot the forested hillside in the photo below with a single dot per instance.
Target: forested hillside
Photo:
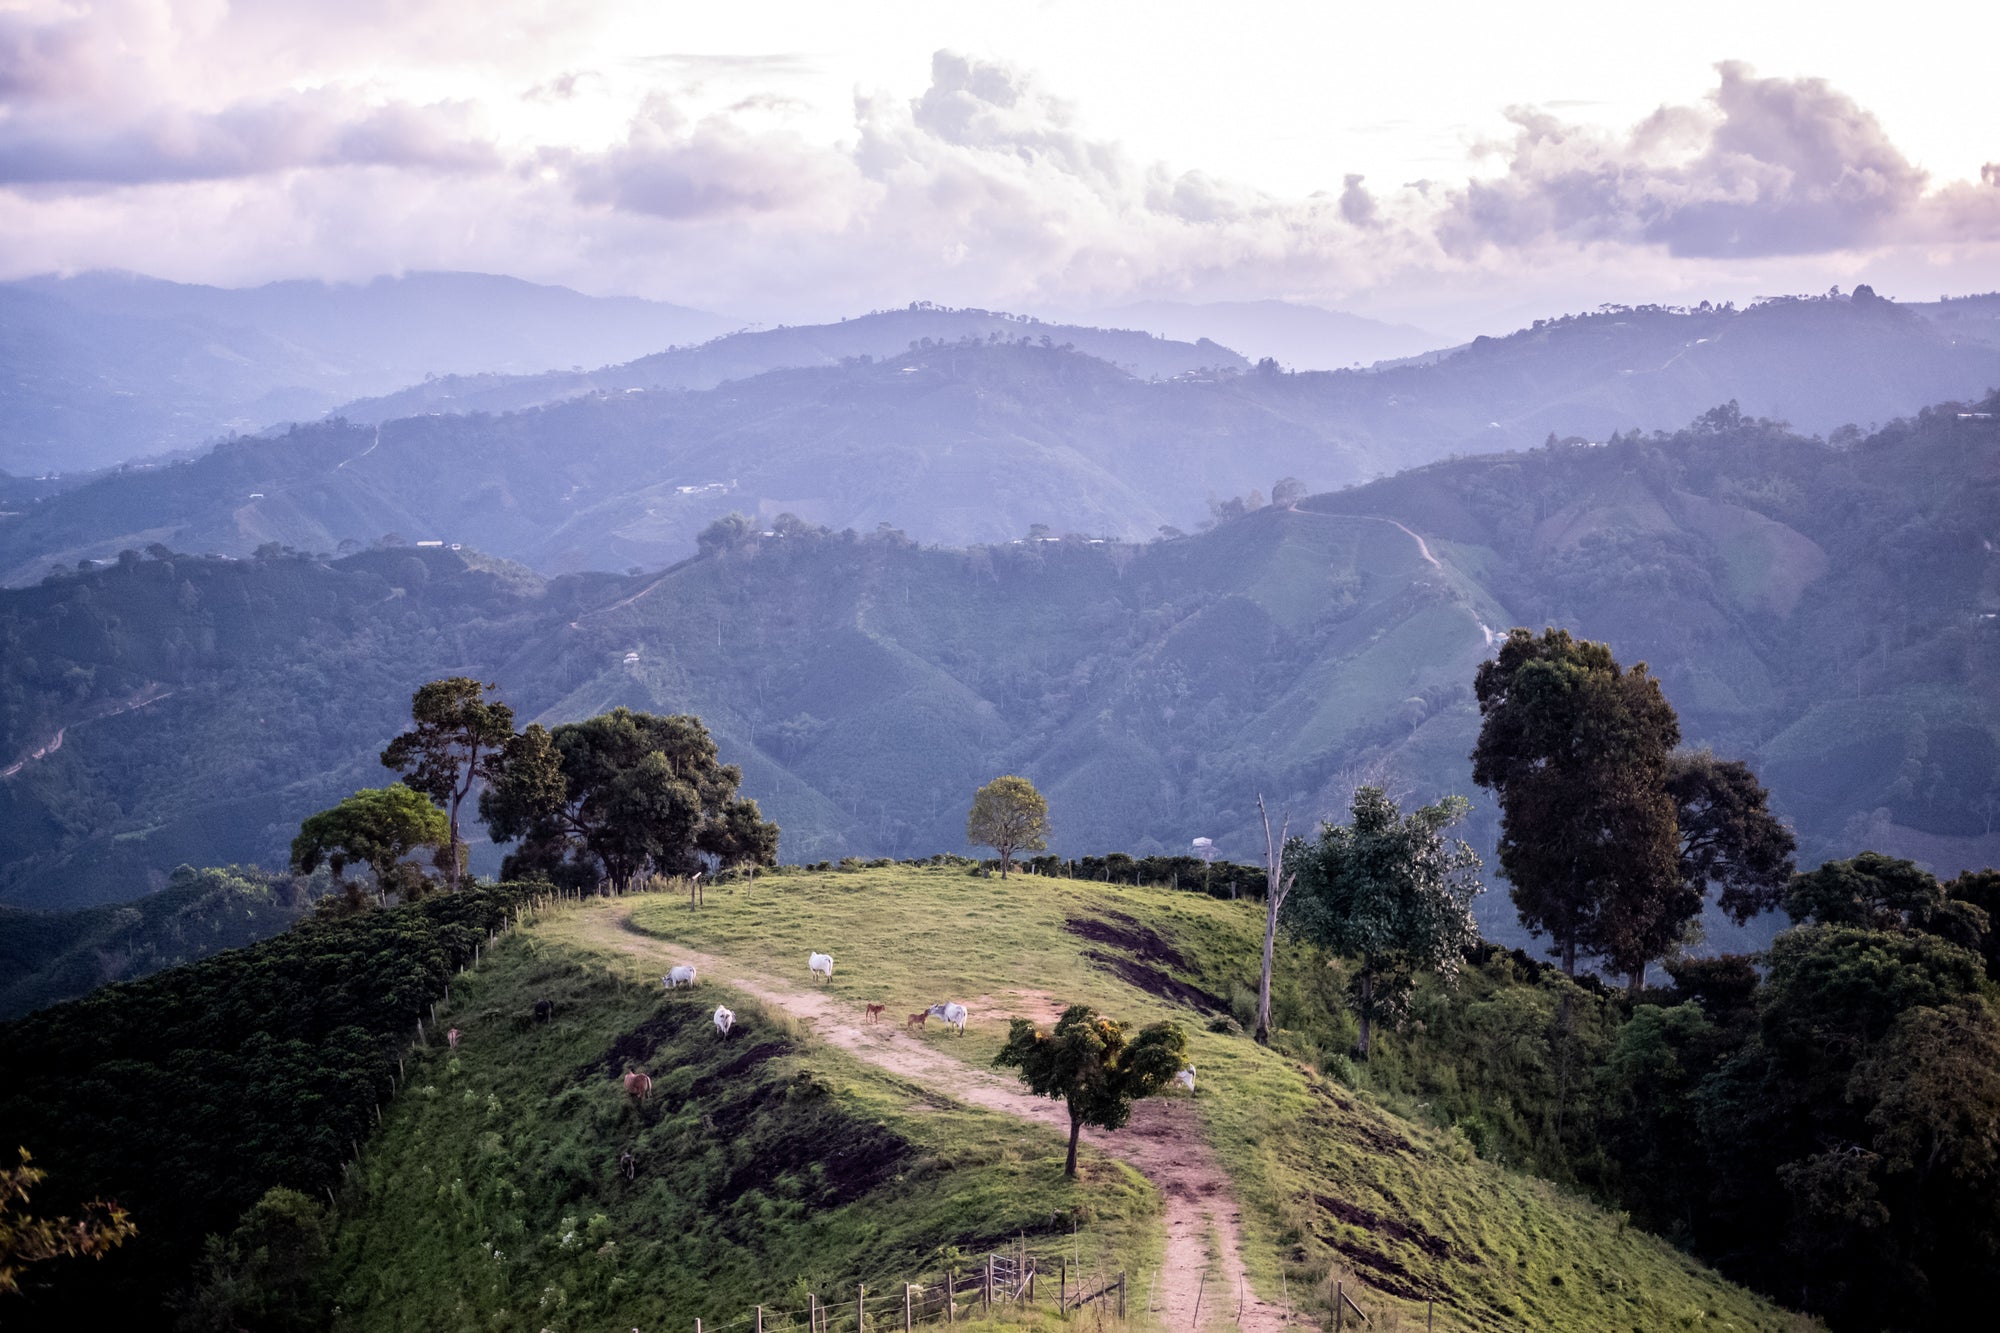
(1829, 612)
(971, 427)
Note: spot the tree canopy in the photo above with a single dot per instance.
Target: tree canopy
(460, 738)
(1576, 747)
(377, 826)
(1392, 891)
(1094, 1064)
(1009, 816)
(610, 796)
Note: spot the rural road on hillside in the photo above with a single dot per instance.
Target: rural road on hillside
(1162, 1141)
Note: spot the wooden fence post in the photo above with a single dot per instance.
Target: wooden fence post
(1339, 1308)
(812, 1312)
(860, 1308)
(1200, 1287)
(760, 1319)
(986, 1297)
(1121, 1299)
(697, 1324)
(1062, 1285)
(950, 1297)
(906, 1308)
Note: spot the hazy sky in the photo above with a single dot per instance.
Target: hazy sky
(1457, 165)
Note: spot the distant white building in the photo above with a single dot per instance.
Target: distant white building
(1204, 848)
(631, 659)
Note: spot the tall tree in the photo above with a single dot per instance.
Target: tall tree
(1277, 887)
(1729, 839)
(1093, 1064)
(460, 737)
(626, 791)
(1576, 748)
(1009, 816)
(377, 826)
(1391, 891)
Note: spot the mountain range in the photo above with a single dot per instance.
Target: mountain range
(1828, 611)
(980, 427)
(101, 368)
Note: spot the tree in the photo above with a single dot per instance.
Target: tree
(267, 1274)
(1728, 835)
(1877, 892)
(1576, 748)
(1009, 816)
(625, 790)
(1277, 887)
(1393, 892)
(460, 738)
(1093, 1064)
(377, 826)
(26, 1239)
(1287, 492)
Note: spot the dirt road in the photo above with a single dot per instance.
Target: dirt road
(1163, 1140)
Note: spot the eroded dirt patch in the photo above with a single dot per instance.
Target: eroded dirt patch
(1123, 932)
(1157, 983)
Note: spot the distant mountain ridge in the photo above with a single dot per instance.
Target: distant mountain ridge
(1300, 337)
(100, 368)
(1830, 613)
(989, 427)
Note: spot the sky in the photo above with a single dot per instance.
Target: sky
(1464, 167)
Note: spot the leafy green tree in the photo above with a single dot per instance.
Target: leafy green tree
(1981, 889)
(1094, 1064)
(26, 1239)
(1576, 747)
(1391, 891)
(377, 826)
(460, 738)
(624, 790)
(1729, 839)
(1009, 816)
(1877, 892)
(267, 1274)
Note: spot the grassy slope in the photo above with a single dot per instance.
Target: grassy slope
(1332, 1183)
(768, 1167)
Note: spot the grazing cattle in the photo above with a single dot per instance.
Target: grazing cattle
(638, 1084)
(875, 1012)
(452, 1037)
(949, 1012)
(1186, 1079)
(725, 1019)
(917, 1020)
(681, 975)
(544, 1010)
(821, 965)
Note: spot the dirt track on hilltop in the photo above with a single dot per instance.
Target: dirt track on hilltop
(1162, 1141)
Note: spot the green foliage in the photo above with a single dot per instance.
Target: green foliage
(48, 957)
(189, 1094)
(268, 1274)
(26, 1239)
(1390, 890)
(460, 738)
(1094, 1065)
(1728, 836)
(377, 827)
(1008, 815)
(625, 790)
(1576, 748)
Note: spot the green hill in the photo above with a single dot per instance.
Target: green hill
(1823, 610)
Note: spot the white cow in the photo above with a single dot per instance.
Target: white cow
(724, 1019)
(821, 965)
(681, 975)
(1186, 1079)
(950, 1012)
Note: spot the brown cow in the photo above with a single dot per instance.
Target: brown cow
(638, 1084)
(917, 1020)
(875, 1012)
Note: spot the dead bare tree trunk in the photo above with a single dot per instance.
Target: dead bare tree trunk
(1277, 886)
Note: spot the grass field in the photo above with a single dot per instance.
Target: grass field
(763, 1169)
(1333, 1186)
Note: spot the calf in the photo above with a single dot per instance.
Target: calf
(917, 1020)
(875, 1012)
(638, 1084)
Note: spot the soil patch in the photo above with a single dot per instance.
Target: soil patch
(1357, 1216)
(1157, 983)
(1123, 932)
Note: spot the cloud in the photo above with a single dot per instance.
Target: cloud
(317, 129)
(669, 168)
(1765, 167)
